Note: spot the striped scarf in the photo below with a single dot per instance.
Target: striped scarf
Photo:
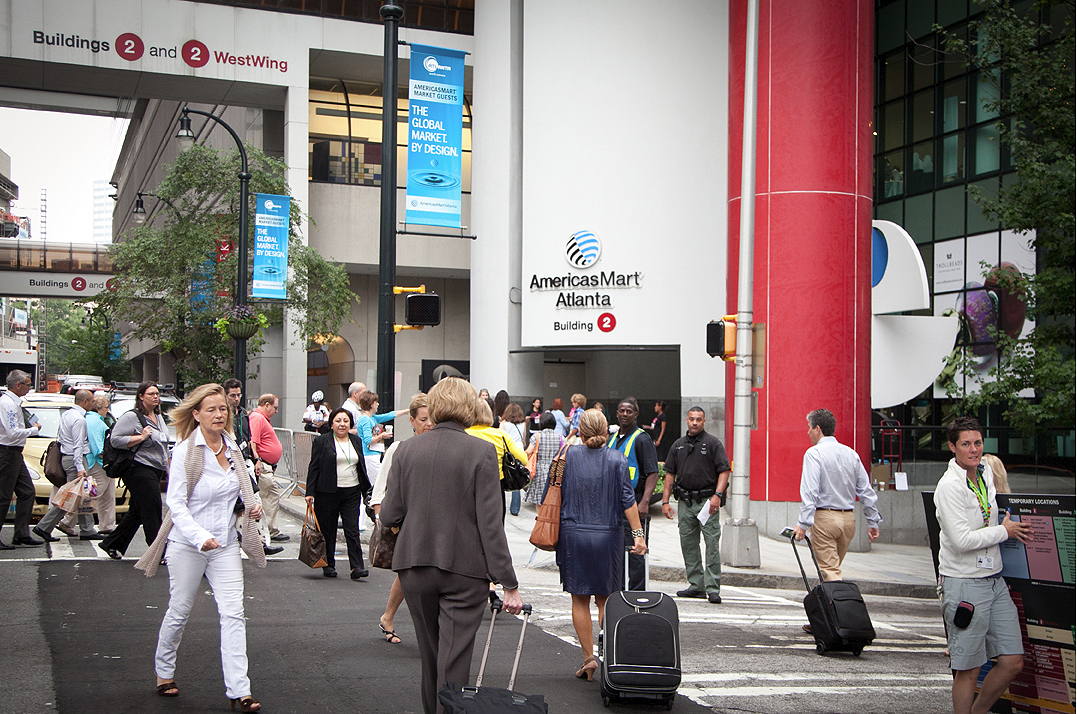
(251, 541)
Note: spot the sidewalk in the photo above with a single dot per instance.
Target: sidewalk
(898, 570)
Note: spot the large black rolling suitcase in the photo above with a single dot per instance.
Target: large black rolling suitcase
(640, 648)
(836, 610)
(459, 699)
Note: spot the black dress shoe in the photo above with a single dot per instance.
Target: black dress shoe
(27, 540)
(806, 628)
(273, 549)
(43, 535)
(357, 573)
(5, 546)
(329, 572)
(111, 552)
(714, 598)
(280, 538)
(92, 536)
(691, 593)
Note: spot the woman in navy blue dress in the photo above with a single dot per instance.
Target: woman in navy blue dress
(595, 498)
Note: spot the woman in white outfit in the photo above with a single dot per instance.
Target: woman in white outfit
(208, 488)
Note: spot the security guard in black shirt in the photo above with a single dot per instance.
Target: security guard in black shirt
(697, 472)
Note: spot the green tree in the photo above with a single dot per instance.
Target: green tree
(171, 287)
(1031, 64)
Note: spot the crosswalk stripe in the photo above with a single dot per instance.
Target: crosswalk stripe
(697, 694)
(811, 677)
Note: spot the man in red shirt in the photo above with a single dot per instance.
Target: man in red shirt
(267, 451)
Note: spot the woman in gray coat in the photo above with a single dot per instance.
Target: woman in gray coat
(445, 496)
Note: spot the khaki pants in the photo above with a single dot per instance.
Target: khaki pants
(830, 537)
(269, 492)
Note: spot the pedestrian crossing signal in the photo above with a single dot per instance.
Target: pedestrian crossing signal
(722, 338)
(422, 309)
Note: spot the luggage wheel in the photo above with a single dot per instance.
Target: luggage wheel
(605, 701)
(857, 651)
(820, 649)
(669, 703)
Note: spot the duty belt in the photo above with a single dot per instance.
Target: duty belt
(684, 494)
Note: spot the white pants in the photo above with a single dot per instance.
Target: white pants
(373, 467)
(223, 569)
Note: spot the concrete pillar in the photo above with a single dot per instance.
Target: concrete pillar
(497, 198)
(293, 387)
(812, 225)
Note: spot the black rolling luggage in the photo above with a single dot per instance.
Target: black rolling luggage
(458, 699)
(639, 648)
(836, 610)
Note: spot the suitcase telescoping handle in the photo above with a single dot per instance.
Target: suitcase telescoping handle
(793, 540)
(494, 609)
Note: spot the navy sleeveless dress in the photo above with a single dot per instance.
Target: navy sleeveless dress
(595, 492)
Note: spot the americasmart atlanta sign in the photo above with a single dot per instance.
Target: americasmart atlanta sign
(581, 305)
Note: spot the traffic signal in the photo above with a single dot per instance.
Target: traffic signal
(722, 338)
(422, 309)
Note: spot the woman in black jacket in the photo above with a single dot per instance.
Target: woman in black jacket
(336, 484)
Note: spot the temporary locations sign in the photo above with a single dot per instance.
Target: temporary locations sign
(270, 246)
(435, 127)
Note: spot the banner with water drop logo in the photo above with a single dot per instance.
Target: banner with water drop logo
(435, 128)
(270, 245)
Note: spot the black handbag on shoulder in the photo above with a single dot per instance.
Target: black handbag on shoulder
(515, 475)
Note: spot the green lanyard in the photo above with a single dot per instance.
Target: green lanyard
(980, 489)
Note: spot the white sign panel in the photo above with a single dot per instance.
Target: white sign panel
(950, 265)
(68, 285)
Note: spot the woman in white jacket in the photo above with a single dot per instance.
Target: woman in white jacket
(970, 567)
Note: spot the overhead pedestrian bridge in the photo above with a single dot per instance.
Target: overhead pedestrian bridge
(35, 269)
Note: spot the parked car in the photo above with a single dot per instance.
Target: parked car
(47, 409)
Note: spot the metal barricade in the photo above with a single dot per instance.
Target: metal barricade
(291, 474)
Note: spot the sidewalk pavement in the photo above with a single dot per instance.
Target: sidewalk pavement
(897, 570)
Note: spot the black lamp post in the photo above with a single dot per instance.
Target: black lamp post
(391, 14)
(186, 140)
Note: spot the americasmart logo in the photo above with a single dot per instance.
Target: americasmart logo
(583, 249)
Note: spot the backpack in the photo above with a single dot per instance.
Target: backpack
(115, 460)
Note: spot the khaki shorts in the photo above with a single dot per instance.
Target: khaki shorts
(994, 629)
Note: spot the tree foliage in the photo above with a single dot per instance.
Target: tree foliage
(79, 338)
(1032, 66)
(172, 288)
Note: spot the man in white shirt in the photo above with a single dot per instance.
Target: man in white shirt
(14, 478)
(981, 618)
(832, 478)
(75, 448)
(351, 404)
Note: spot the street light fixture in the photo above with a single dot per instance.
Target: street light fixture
(186, 138)
(139, 211)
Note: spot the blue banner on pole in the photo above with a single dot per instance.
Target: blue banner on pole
(435, 127)
(270, 246)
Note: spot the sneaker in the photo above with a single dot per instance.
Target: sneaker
(714, 598)
(691, 593)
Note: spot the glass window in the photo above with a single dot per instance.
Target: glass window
(892, 175)
(918, 218)
(985, 149)
(977, 222)
(889, 212)
(921, 168)
(952, 151)
(9, 255)
(891, 23)
(923, 115)
(893, 80)
(893, 125)
(953, 63)
(950, 213)
(954, 103)
(985, 89)
(951, 11)
(927, 252)
(922, 59)
(921, 16)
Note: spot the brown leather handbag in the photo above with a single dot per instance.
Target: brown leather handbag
(312, 542)
(548, 521)
(52, 466)
(382, 545)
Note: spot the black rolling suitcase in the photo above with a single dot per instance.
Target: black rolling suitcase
(640, 648)
(458, 699)
(836, 610)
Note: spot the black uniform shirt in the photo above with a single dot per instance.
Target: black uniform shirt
(696, 461)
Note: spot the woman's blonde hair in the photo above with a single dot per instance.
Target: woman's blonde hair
(182, 417)
(417, 403)
(594, 429)
(579, 400)
(100, 401)
(484, 415)
(452, 399)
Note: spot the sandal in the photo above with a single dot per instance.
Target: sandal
(168, 689)
(587, 671)
(390, 636)
(247, 704)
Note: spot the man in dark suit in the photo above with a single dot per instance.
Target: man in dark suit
(445, 496)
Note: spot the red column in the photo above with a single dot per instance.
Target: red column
(812, 225)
